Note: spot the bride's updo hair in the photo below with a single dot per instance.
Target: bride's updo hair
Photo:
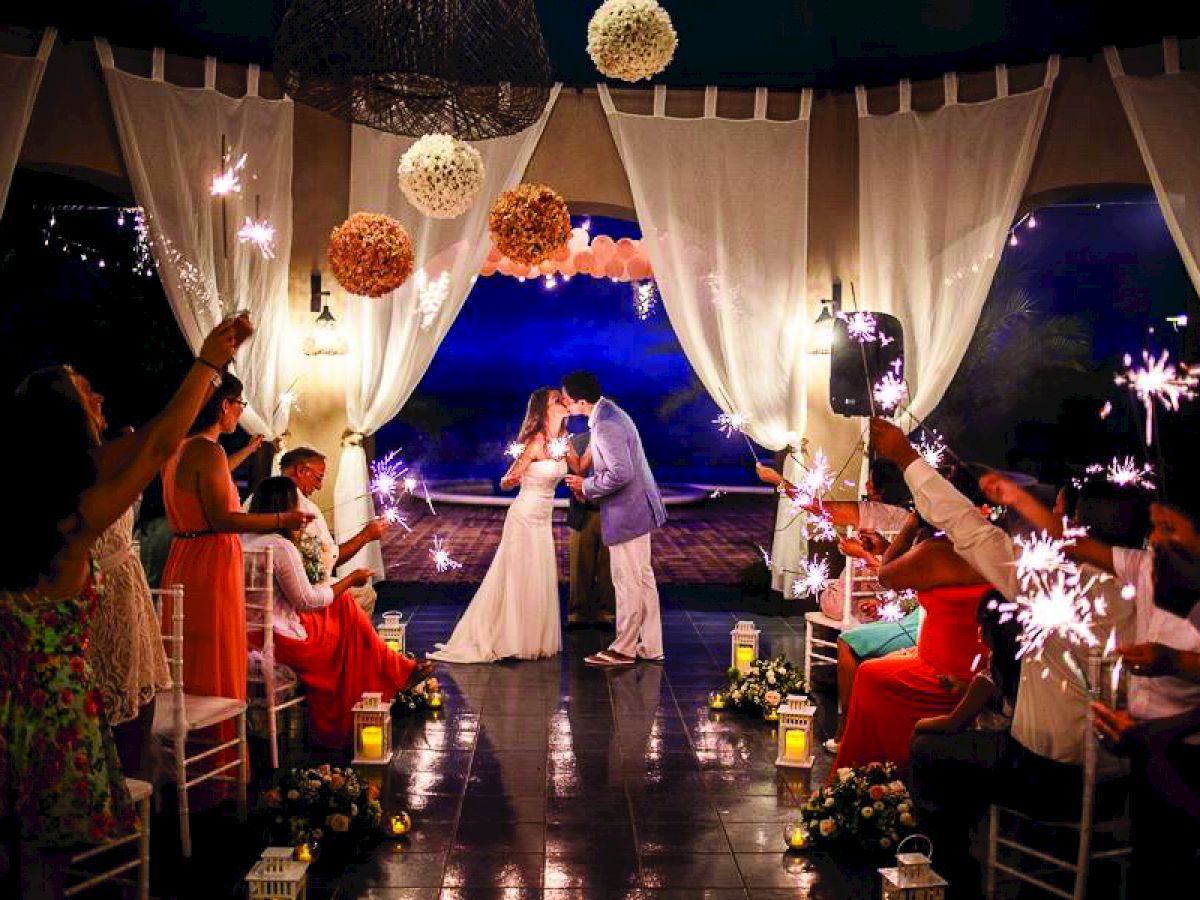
(47, 475)
(536, 413)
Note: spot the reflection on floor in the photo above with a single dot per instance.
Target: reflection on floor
(552, 780)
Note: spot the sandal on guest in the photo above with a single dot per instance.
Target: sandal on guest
(604, 659)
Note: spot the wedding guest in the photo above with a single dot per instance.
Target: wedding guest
(592, 598)
(306, 467)
(320, 631)
(206, 556)
(893, 692)
(61, 786)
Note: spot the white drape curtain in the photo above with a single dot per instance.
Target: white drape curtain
(937, 194)
(171, 138)
(392, 341)
(20, 78)
(723, 207)
(1164, 113)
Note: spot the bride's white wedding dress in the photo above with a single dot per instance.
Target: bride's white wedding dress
(515, 611)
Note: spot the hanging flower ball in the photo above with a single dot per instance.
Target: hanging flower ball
(529, 223)
(631, 39)
(441, 176)
(370, 254)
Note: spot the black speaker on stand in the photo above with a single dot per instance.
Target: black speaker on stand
(850, 381)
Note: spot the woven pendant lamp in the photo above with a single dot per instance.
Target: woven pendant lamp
(475, 69)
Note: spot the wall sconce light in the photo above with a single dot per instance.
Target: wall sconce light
(325, 337)
(820, 340)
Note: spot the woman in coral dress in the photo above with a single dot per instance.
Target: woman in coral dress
(206, 555)
(895, 691)
(322, 633)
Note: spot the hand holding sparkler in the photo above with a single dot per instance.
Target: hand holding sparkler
(223, 342)
(1151, 659)
(1112, 724)
(891, 443)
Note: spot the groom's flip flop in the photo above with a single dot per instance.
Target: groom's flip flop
(607, 660)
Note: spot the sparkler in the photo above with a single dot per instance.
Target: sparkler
(385, 476)
(515, 449)
(1127, 473)
(431, 296)
(766, 556)
(1041, 554)
(817, 478)
(410, 485)
(557, 448)
(395, 517)
(732, 423)
(890, 391)
(820, 527)
(260, 233)
(862, 327)
(932, 447)
(1105, 410)
(442, 560)
(645, 299)
(227, 181)
(1159, 380)
(1055, 604)
(814, 575)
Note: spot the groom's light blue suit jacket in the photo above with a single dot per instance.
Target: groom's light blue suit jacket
(621, 481)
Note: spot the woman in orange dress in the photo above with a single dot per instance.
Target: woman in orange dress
(895, 691)
(206, 555)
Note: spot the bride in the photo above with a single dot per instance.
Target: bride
(515, 611)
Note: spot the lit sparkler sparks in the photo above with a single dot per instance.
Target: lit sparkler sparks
(386, 474)
(442, 560)
(732, 423)
(261, 234)
(932, 447)
(395, 517)
(1041, 554)
(410, 485)
(227, 182)
(1106, 410)
(766, 557)
(557, 448)
(890, 391)
(820, 527)
(515, 449)
(1127, 473)
(1159, 380)
(1055, 604)
(814, 575)
(862, 327)
(431, 296)
(645, 299)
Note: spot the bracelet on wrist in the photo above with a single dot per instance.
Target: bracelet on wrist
(213, 366)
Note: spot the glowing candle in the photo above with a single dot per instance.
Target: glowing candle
(435, 700)
(372, 742)
(400, 824)
(304, 853)
(744, 658)
(394, 646)
(795, 743)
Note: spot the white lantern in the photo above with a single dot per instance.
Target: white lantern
(277, 876)
(796, 732)
(743, 646)
(913, 877)
(392, 631)
(372, 731)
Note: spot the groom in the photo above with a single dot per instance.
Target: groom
(630, 508)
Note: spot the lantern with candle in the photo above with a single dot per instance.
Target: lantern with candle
(277, 876)
(399, 824)
(913, 877)
(796, 732)
(795, 835)
(392, 631)
(718, 700)
(372, 731)
(743, 646)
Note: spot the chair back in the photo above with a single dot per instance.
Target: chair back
(259, 577)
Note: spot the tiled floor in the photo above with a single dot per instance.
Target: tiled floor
(550, 779)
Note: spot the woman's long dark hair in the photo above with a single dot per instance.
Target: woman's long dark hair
(47, 472)
(210, 412)
(275, 495)
(536, 411)
(1002, 638)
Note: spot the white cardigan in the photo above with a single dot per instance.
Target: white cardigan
(293, 591)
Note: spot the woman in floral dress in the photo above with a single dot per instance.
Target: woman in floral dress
(61, 787)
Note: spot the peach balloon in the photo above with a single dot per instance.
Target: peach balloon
(504, 267)
(494, 255)
(614, 268)
(547, 267)
(579, 239)
(585, 261)
(639, 268)
(561, 253)
(603, 248)
(568, 268)
(487, 269)
(627, 248)
(519, 269)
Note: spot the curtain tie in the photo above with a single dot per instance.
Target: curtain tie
(352, 438)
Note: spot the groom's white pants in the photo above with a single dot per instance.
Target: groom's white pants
(639, 625)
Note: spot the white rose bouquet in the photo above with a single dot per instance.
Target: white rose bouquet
(867, 809)
(766, 683)
(631, 39)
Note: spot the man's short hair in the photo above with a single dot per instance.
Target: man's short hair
(295, 457)
(582, 386)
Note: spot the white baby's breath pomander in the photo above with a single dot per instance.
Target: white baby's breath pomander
(631, 39)
(441, 176)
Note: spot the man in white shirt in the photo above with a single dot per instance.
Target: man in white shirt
(306, 467)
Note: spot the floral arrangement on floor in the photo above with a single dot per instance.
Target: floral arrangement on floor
(370, 254)
(417, 699)
(441, 175)
(887, 606)
(765, 685)
(866, 809)
(328, 808)
(631, 39)
(529, 223)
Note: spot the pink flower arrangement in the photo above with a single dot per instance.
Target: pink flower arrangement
(370, 254)
(529, 223)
